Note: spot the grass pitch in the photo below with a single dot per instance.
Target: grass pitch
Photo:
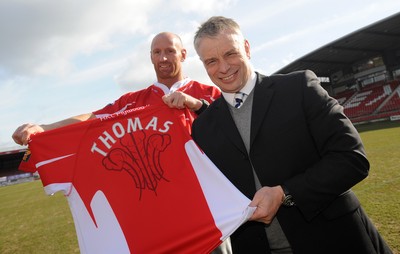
(32, 222)
(380, 191)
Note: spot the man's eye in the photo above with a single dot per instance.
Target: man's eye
(210, 62)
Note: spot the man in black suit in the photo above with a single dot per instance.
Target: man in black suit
(286, 144)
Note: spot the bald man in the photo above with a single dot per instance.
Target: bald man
(167, 55)
(172, 87)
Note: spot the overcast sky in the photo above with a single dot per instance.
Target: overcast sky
(67, 57)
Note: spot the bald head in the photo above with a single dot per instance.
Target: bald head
(167, 36)
(167, 54)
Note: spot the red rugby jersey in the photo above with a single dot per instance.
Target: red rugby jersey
(137, 183)
(152, 95)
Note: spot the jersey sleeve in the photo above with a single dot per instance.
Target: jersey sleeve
(214, 92)
(202, 91)
(147, 96)
(53, 154)
(117, 106)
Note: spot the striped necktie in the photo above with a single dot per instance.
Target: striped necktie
(239, 96)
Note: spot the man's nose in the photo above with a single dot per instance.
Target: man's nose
(163, 57)
(224, 66)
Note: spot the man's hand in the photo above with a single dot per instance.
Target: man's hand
(181, 100)
(23, 133)
(267, 200)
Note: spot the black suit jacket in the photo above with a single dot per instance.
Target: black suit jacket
(299, 137)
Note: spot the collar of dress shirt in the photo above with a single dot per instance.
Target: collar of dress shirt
(174, 87)
(229, 97)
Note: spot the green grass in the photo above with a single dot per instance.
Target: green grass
(32, 222)
(379, 193)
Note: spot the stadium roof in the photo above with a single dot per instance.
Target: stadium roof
(340, 54)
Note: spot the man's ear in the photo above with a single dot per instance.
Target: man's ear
(183, 53)
(247, 48)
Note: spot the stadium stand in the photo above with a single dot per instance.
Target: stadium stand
(9, 173)
(361, 70)
(393, 102)
(343, 97)
(368, 100)
(377, 101)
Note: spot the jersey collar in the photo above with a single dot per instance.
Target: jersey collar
(174, 87)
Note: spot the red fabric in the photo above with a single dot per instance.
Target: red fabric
(152, 95)
(144, 174)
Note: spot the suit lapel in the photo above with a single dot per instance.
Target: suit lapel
(262, 98)
(261, 101)
(228, 126)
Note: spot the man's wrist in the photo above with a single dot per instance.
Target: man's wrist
(45, 127)
(287, 199)
(204, 106)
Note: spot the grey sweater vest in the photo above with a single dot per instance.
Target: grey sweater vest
(242, 118)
